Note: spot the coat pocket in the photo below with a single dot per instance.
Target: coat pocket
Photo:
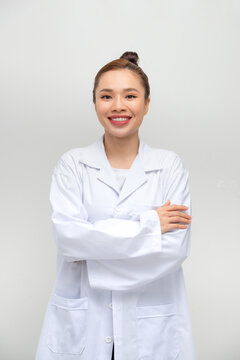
(157, 332)
(67, 325)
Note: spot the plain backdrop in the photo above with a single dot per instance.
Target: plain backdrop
(50, 53)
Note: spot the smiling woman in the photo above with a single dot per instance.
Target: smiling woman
(121, 97)
(121, 220)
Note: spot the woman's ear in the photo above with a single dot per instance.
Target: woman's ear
(146, 106)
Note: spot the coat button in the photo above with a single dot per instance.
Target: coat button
(108, 339)
(110, 305)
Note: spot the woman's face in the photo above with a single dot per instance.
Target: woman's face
(124, 96)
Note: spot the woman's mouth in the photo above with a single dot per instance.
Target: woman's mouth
(120, 120)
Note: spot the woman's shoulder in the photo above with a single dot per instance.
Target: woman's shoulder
(69, 159)
(163, 158)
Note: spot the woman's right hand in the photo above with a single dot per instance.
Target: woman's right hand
(171, 215)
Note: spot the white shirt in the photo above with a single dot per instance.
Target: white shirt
(127, 285)
(120, 176)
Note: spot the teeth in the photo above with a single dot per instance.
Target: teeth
(120, 119)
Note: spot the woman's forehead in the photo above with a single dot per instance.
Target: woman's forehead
(119, 79)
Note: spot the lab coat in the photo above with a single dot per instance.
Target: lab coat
(119, 279)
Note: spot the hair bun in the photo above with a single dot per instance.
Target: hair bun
(130, 56)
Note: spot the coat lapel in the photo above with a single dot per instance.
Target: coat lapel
(94, 155)
(135, 177)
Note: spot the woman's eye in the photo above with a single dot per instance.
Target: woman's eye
(132, 96)
(102, 97)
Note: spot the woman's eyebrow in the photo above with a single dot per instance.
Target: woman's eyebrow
(128, 89)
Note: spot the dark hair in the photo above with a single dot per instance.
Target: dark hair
(128, 60)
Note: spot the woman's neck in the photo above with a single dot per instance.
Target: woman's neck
(121, 152)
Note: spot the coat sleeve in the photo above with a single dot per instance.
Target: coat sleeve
(112, 238)
(132, 273)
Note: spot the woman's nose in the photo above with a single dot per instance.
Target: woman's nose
(118, 104)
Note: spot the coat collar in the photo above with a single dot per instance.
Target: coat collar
(95, 156)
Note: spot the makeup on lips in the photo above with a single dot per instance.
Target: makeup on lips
(119, 120)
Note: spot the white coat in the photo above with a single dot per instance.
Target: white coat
(128, 284)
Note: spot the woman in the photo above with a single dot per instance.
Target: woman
(121, 220)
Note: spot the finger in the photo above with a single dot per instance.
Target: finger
(166, 203)
(177, 207)
(178, 213)
(179, 219)
(177, 226)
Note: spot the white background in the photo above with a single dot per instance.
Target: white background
(51, 51)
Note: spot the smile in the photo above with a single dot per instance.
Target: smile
(119, 120)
